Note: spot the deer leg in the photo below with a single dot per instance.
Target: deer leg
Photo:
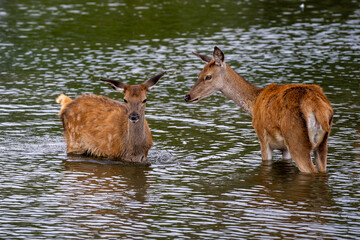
(300, 150)
(321, 154)
(302, 158)
(266, 151)
(286, 154)
(297, 142)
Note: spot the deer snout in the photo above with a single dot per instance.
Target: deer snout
(134, 117)
(190, 99)
(187, 97)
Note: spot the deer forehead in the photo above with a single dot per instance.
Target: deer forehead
(209, 68)
(135, 92)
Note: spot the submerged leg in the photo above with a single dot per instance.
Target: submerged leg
(304, 163)
(321, 154)
(266, 151)
(297, 141)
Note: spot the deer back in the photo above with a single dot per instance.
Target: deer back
(277, 106)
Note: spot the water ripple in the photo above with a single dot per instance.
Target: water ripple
(207, 179)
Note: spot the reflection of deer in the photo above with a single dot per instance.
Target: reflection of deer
(294, 186)
(102, 127)
(268, 181)
(118, 181)
(293, 118)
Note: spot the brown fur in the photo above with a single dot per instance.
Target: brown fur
(293, 118)
(102, 127)
(99, 126)
(281, 120)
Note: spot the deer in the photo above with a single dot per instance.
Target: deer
(98, 126)
(293, 118)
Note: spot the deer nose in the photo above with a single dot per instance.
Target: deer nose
(134, 117)
(187, 97)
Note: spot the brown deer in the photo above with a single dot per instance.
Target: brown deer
(293, 118)
(101, 127)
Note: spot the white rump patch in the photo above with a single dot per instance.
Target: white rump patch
(316, 133)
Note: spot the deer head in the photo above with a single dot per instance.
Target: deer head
(134, 95)
(210, 79)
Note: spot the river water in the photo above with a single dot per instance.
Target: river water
(207, 180)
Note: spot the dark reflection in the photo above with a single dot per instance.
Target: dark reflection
(129, 181)
(279, 181)
(283, 182)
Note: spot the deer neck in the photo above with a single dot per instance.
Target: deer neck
(243, 93)
(136, 132)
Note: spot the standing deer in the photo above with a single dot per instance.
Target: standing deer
(293, 118)
(101, 127)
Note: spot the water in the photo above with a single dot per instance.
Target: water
(207, 180)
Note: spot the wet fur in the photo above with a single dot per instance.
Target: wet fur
(99, 126)
(294, 118)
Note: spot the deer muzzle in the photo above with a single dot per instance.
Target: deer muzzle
(134, 117)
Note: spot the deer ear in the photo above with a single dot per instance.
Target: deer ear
(152, 81)
(205, 58)
(218, 56)
(116, 85)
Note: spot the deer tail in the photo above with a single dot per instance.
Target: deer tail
(318, 111)
(63, 100)
(318, 114)
(324, 115)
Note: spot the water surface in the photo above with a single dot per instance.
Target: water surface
(207, 179)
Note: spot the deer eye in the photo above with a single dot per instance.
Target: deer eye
(125, 101)
(208, 77)
(145, 101)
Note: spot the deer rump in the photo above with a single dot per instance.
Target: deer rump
(96, 125)
(292, 117)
